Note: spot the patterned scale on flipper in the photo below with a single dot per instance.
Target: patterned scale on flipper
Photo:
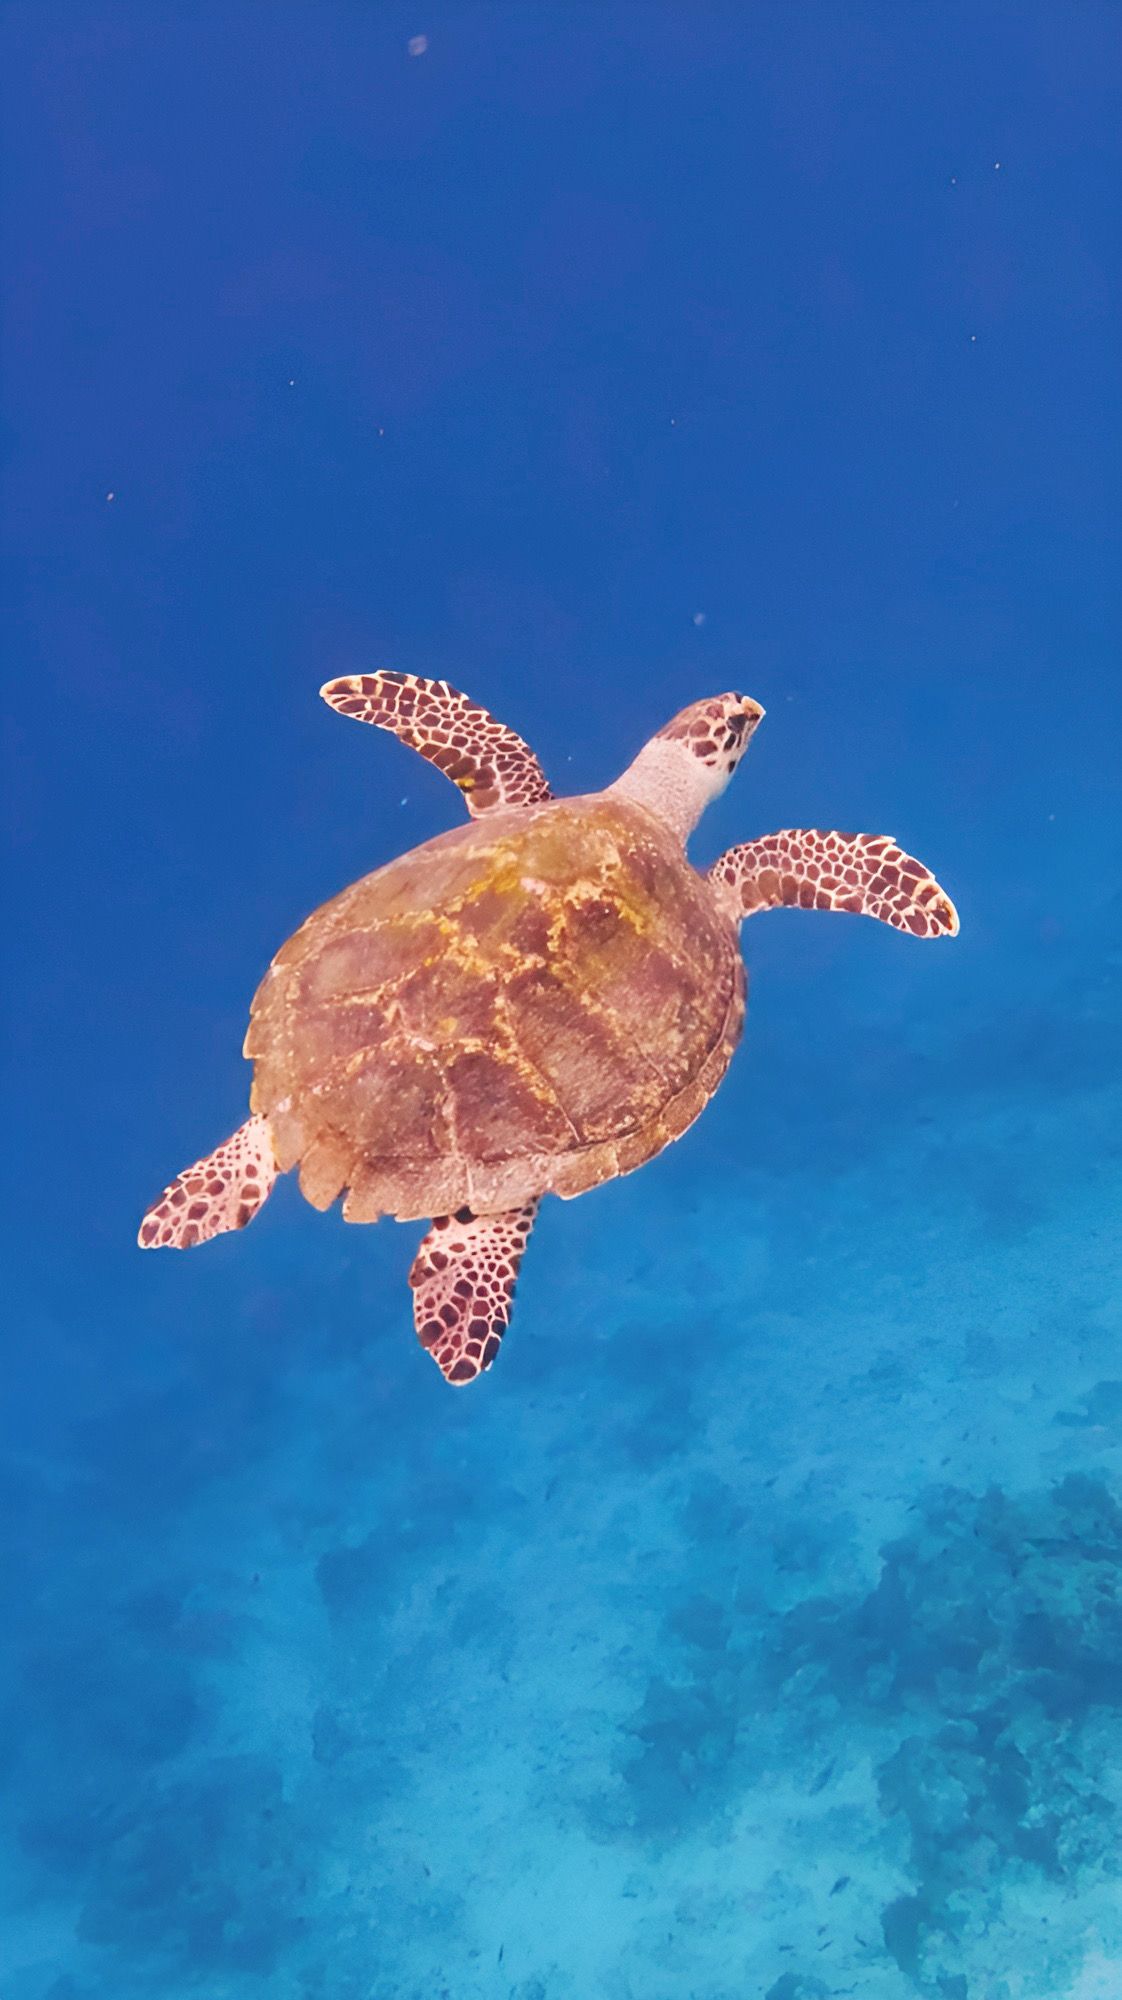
(493, 768)
(463, 1283)
(864, 873)
(223, 1191)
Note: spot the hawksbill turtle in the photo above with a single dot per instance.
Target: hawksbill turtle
(527, 1005)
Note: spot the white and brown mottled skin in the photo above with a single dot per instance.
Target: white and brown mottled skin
(223, 1191)
(463, 1280)
(491, 765)
(528, 1005)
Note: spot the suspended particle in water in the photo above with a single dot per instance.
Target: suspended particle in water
(699, 618)
(417, 44)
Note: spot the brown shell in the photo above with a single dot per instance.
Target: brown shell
(524, 1005)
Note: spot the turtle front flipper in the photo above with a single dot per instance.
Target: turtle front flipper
(492, 766)
(463, 1281)
(222, 1192)
(807, 869)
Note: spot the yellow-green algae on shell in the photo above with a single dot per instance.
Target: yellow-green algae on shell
(522, 1005)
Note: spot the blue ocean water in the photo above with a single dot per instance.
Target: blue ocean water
(753, 1630)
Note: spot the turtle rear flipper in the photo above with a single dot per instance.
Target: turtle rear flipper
(223, 1191)
(463, 1281)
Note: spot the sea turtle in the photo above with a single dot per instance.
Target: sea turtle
(527, 1005)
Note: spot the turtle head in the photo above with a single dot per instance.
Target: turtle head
(690, 761)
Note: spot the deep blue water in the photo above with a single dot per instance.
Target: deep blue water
(753, 1631)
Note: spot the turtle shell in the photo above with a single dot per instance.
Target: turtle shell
(524, 1005)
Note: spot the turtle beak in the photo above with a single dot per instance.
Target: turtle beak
(745, 719)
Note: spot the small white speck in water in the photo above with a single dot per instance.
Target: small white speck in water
(418, 44)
